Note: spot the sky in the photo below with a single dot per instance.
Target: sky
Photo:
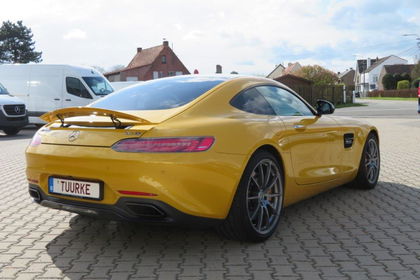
(247, 36)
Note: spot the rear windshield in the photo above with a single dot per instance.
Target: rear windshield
(159, 94)
(3, 90)
(98, 85)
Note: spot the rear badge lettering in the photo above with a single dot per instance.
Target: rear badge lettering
(132, 133)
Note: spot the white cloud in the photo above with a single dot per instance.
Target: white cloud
(206, 33)
(75, 34)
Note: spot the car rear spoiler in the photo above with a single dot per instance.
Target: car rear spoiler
(115, 116)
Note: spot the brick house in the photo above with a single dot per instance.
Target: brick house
(280, 70)
(152, 63)
(292, 68)
(347, 77)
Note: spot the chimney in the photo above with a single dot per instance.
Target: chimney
(165, 43)
(218, 69)
(368, 63)
(139, 50)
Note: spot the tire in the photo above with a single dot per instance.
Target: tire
(370, 164)
(11, 131)
(257, 205)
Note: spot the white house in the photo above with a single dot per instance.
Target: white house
(277, 72)
(368, 71)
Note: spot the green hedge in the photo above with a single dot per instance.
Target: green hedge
(404, 84)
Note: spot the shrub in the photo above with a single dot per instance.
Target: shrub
(404, 84)
(389, 81)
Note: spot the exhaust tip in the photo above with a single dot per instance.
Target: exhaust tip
(145, 210)
(35, 194)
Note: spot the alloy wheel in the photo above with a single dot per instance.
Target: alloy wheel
(264, 196)
(372, 161)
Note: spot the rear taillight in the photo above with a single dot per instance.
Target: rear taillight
(36, 140)
(164, 145)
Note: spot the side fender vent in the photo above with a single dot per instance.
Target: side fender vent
(348, 140)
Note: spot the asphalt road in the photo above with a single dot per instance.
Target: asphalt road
(381, 109)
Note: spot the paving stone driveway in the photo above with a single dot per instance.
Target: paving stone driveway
(341, 234)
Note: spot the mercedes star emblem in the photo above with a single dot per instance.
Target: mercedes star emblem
(74, 135)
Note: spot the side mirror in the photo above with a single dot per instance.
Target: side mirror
(324, 107)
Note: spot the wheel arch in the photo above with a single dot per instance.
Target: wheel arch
(375, 132)
(275, 152)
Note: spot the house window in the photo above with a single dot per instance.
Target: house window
(178, 73)
(158, 74)
(171, 73)
(163, 59)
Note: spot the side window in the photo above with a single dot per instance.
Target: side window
(74, 86)
(253, 102)
(284, 102)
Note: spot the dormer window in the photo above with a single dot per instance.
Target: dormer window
(163, 59)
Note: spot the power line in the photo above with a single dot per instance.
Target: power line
(407, 50)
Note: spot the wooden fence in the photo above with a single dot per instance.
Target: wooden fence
(403, 93)
(334, 94)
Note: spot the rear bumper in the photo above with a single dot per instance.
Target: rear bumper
(139, 210)
(198, 184)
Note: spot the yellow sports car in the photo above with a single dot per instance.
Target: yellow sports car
(223, 151)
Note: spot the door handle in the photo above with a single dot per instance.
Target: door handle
(57, 99)
(68, 99)
(299, 126)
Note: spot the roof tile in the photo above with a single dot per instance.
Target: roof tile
(145, 57)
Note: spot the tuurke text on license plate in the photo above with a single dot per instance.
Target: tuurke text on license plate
(75, 188)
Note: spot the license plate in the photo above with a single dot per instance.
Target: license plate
(75, 188)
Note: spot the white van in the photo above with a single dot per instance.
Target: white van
(12, 113)
(46, 87)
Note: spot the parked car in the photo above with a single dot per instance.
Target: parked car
(225, 151)
(13, 115)
(46, 87)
